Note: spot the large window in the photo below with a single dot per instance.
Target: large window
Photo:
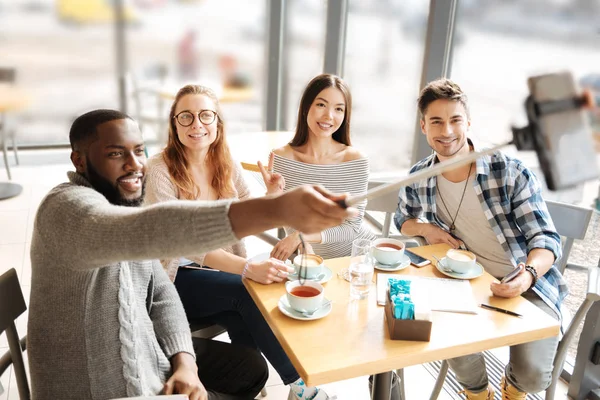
(303, 48)
(384, 55)
(62, 52)
(215, 43)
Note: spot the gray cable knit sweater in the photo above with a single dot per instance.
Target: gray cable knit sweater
(103, 319)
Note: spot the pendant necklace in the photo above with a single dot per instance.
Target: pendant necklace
(452, 226)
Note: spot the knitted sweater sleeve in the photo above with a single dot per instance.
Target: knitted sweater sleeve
(85, 231)
(168, 316)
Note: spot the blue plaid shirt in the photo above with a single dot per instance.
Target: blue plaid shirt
(510, 196)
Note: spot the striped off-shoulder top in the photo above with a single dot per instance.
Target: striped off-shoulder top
(348, 177)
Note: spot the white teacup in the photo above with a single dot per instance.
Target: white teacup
(304, 297)
(312, 265)
(460, 261)
(388, 251)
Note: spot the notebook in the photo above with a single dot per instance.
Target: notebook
(450, 295)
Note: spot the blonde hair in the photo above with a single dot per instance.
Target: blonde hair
(218, 154)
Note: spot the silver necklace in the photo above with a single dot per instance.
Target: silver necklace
(452, 226)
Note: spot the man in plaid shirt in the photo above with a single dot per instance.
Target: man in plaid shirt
(494, 208)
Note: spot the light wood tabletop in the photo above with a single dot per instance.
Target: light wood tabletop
(353, 339)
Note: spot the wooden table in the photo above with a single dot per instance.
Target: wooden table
(11, 99)
(353, 340)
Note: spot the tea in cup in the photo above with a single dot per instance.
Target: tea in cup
(312, 265)
(388, 251)
(304, 297)
(460, 261)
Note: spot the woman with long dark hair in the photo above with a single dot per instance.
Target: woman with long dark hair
(321, 153)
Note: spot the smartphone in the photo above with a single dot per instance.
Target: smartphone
(416, 260)
(564, 142)
(512, 274)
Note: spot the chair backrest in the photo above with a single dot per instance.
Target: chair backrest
(387, 203)
(12, 305)
(571, 222)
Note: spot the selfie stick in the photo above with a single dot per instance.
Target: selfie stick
(438, 169)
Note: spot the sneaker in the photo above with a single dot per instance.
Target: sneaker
(320, 395)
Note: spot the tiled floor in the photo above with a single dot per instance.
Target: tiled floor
(16, 223)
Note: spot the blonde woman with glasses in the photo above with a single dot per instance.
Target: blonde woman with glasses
(196, 164)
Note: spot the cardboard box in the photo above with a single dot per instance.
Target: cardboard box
(406, 329)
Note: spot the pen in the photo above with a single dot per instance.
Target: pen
(502, 310)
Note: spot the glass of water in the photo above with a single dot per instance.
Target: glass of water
(360, 270)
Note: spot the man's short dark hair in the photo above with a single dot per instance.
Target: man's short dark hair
(84, 128)
(443, 89)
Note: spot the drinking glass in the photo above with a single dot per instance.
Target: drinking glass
(360, 270)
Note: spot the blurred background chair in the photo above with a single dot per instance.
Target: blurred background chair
(571, 223)
(7, 125)
(385, 206)
(150, 108)
(12, 305)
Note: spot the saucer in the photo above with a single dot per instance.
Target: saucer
(475, 272)
(287, 310)
(405, 262)
(328, 274)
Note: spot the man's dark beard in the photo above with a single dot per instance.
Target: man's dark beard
(111, 192)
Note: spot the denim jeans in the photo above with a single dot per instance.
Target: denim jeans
(530, 364)
(220, 297)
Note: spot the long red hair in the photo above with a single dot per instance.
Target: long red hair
(218, 154)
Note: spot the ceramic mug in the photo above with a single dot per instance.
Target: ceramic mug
(388, 251)
(304, 297)
(312, 265)
(460, 261)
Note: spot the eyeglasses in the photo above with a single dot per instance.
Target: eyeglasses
(186, 118)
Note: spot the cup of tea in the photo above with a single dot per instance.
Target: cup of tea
(460, 261)
(388, 251)
(304, 297)
(312, 265)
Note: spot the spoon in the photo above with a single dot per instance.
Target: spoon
(314, 278)
(439, 262)
(311, 313)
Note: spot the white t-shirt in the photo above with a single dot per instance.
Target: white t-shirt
(472, 227)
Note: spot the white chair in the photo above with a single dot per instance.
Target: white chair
(388, 204)
(150, 108)
(571, 222)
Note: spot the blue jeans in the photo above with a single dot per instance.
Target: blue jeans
(220, 297)
(530, 364)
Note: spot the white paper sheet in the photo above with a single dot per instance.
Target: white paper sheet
(450, 295)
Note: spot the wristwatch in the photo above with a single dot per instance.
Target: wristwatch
(533, 273)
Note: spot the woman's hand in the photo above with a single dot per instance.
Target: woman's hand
(268, 271)
(273, 181)
(286, 246)
(185, 378)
